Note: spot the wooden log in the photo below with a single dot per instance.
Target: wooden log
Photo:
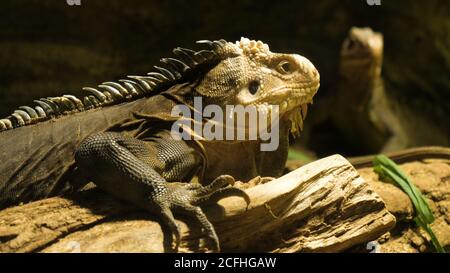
(324, 206)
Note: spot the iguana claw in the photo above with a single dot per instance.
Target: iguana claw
(186, 198)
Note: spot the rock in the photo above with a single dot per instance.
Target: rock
(397, 202)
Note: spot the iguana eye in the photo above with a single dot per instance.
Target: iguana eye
(253, 87)
(284, 67)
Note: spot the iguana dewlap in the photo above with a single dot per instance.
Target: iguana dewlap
(118, 136)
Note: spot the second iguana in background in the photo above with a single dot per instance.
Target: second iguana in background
(375, 115)
(367, 113)
(118, 135)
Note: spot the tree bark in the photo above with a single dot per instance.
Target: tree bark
(324, 206)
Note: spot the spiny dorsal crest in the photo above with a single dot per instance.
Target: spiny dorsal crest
(174, 70)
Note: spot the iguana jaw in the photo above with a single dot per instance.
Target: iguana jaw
(292, 110)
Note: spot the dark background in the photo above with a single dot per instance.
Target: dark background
(48, 48)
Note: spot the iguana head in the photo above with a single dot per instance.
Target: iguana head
(250, 74)
(361, 54)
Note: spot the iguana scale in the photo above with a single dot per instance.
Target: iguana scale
(118, 135)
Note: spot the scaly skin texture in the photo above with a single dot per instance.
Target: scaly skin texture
(369, 116)
(129, 151)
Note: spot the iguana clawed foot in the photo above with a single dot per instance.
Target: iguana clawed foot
(126, 167)
(186, 198)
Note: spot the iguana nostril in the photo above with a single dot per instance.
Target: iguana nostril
(253, 87)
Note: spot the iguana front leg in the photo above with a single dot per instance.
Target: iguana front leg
(138, 171)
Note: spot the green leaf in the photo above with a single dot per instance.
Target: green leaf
(388, 171)
(387, 168)
(434, 239)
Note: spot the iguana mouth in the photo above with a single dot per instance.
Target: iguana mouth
(292, 102)
(288, 97)
(294, 99)
(293, 110)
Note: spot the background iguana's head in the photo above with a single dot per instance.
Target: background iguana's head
(361, 54)
(249, 74)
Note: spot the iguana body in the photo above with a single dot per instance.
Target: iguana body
(119, 136)
(372, 117)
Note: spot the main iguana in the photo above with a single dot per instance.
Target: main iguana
(118, 136)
